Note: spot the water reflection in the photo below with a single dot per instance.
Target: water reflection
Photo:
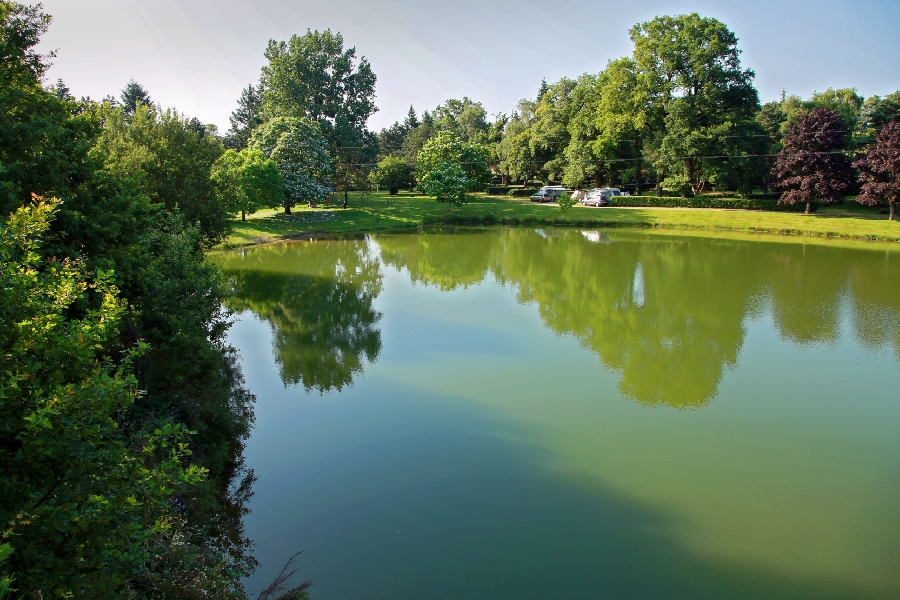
(667, 313)
(317, 298)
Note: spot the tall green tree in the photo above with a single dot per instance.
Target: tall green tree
(245, 118)
(875, 113)
(247, 181)
(690, 68)
(312, 76)
(173, 161)
(134, 95)
(297, 146)
(465, 118)
(393, 173)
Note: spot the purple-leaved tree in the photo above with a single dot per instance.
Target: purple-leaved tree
(879, 169)
(811, 167)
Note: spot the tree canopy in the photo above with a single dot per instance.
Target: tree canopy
(297, 146)
(811, 167)
(880, 169)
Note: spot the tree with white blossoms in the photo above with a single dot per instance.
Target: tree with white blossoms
(449, 167)
(299, 149)
(447, 183)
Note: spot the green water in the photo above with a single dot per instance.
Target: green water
(512, 413)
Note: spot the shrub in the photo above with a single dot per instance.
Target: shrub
(523, 192)
(702, 202)
(498, 190)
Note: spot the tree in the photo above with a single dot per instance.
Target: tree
(811, 167)
(466, 118)
(247, 181)
(314, 77)
(79, 493)
(875, 113)
(447, 183)
(691, 71)
(133, 95)
(393, 173)
(880, 169)
(411, 121)
(297, 146)
(245, 118)
(173, 159)
(450, 168)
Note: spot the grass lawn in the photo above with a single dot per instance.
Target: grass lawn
(370, 212)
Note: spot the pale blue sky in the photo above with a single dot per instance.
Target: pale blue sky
(196, 55)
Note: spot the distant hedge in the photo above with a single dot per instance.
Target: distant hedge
(704, 202)
(523, 193)
(498, 190)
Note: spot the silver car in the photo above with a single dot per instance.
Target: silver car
(595, 197)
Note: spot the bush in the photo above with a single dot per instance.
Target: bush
(523, 192)
(498, 190)
(704, 202)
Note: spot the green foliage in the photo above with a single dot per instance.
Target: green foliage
(44, 138)
(244, 119)
(297, 146)
(314, 77)
(447, 183)
(447, 149)
(134, 95)
(79, 494)
(465, 118)
(875, 113)
(696, 87)
(393, 173)
(172, 160)
(498, 190)
(522, 192)
(566, 202)
(702, 201)
(246, 181)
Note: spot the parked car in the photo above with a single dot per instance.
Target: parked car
(595, 197)
(548, 193)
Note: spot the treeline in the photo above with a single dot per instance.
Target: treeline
(123, 413)
(681, 115)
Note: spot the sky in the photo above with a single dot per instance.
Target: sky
(197, 55)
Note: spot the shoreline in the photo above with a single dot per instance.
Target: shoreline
(369, 213)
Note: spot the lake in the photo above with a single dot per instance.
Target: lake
(519, 413)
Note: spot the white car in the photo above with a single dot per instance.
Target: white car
(548, 193)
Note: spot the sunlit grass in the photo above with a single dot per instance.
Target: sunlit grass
(378, 211)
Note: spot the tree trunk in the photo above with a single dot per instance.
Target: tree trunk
(504, 179)
(597, 182)
(345, 199)
(809, 208)
(659, 184)
(891, 216)
(287, 210)
(243, 216)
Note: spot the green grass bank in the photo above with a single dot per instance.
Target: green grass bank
(368, 212)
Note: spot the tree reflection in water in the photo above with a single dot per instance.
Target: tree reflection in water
(317, 297)
(668, 313)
